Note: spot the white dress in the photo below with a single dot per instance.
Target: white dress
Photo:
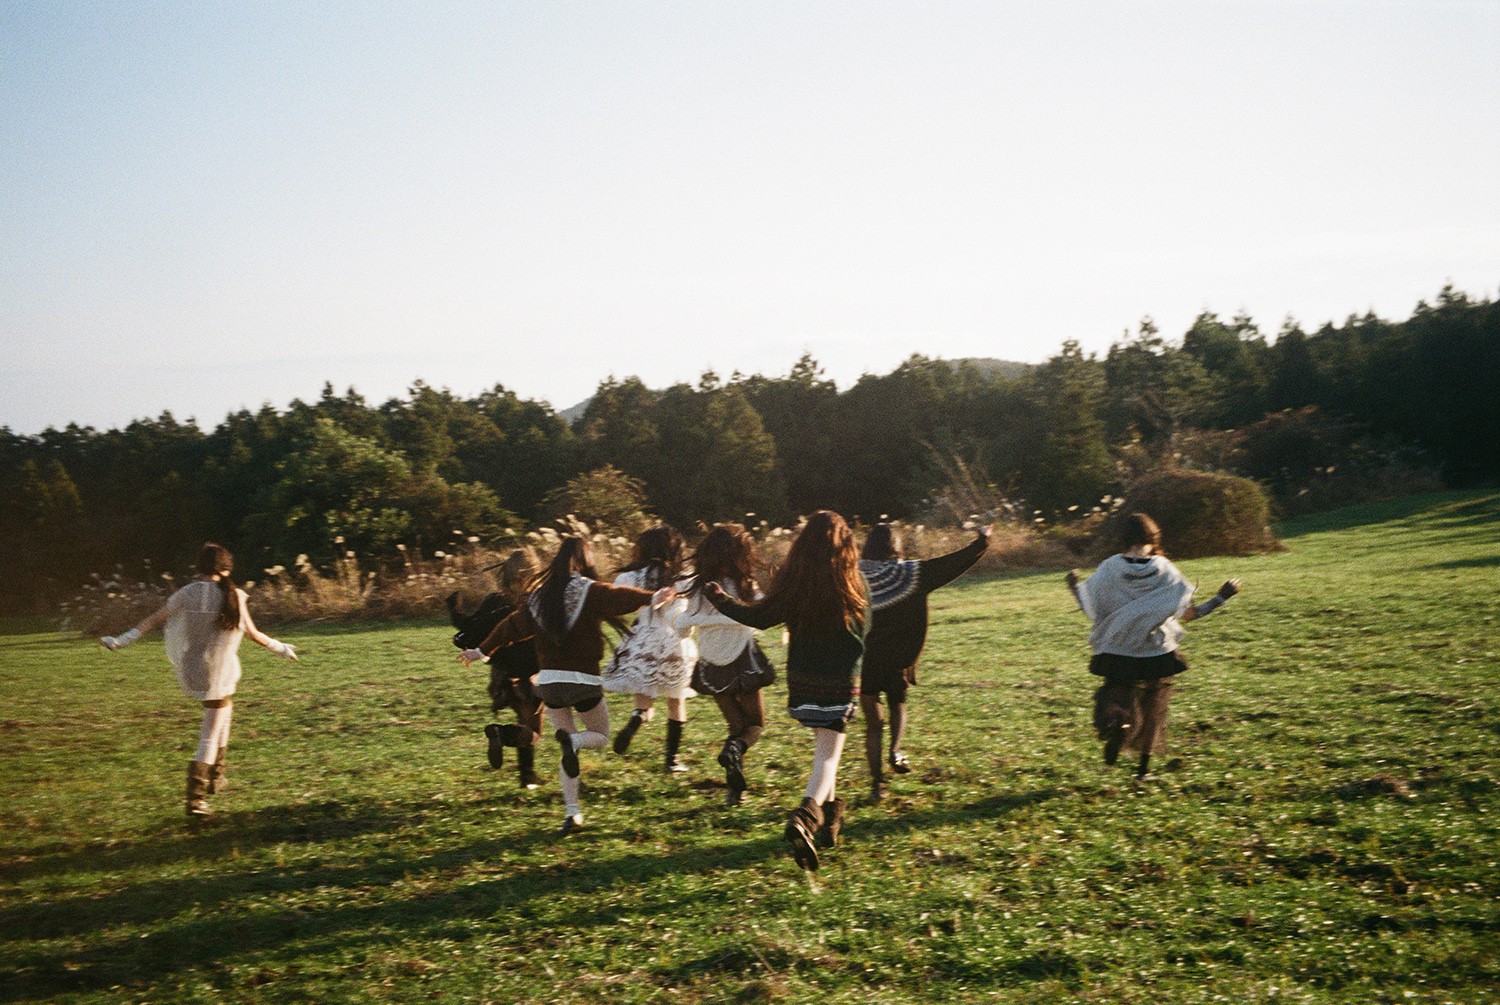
(205, 655)
(655, 659)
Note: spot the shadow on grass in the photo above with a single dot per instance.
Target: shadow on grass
(200, 921)
(1489, 562)
(180, 841)
(1448, 509)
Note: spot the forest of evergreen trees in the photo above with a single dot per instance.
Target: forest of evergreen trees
(1321, 418)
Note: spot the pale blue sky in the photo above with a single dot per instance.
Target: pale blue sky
(210, 205)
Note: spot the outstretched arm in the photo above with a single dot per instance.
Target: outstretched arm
(1072, 581)
(945, 569)
(517, 626)
(283, 649)
(757, 615)
(150, 623)
(1218, 600)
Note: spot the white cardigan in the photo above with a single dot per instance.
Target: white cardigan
(720, 639)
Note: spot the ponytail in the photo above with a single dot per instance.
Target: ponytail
(215, 560)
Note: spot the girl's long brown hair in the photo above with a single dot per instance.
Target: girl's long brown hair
(659, 551)
(726, 554)
(215, 560)
(573, 555)
(819, 583)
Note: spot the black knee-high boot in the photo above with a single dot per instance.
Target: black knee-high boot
(627, 732)
(526, 767)
(674, 742)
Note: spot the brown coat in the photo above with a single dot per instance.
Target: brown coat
(583, 647)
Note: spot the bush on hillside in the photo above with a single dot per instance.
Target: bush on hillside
(1312, 462)
(1200, 514)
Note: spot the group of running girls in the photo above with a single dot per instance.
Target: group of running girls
(856, 623)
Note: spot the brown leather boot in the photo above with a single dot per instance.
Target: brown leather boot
(218, 781)
(833, 823)
(801, 832)
(199, 773)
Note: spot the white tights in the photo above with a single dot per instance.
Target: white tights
(823, 781)
(214, 733)
(593, 736)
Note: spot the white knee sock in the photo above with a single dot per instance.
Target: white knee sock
(215, 720)
(571, 805)
(823, 781)
(589, 740)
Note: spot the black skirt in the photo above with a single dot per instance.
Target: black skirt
(1135, 668)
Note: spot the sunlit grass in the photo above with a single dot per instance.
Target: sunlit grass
(1322, 829)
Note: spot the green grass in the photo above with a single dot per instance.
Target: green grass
(1323, 828)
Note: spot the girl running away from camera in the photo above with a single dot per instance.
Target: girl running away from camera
(512, 669)
(203, 623)
(564, 614)
(655, 660)
(822, 599)
(731, 666)
(1137, 601)
(898, 631)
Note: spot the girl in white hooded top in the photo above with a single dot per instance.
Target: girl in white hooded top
(1137, 601)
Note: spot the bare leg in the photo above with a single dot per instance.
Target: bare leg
(898, 733)
(870, 708)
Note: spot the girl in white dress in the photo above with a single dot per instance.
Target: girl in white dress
(656, 659)
(731, 666)
(203, 623)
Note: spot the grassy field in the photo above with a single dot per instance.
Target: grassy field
(1323, 828)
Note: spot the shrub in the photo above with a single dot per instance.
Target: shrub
(1200, 513)
(1312, 462)
(606, 498)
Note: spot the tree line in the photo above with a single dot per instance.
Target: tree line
(1319, 417)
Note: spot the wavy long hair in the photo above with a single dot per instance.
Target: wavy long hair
(574, 556)
(215, 560)
(659, 551)
(819, 583)
(725, 555)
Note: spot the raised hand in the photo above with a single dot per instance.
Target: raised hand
(1230, 588)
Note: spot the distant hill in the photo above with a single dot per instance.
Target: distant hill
(1003, 368)
(573, 414)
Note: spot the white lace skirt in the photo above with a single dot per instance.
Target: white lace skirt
(653, 660)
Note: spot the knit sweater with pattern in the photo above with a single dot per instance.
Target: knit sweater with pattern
(582, 647)
(898, 626)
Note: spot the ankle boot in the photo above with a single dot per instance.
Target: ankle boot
(674, 741)
(199, 772)
(801, 831)
(833, 823)
(731, 759)
(627, 732)
(218, 781)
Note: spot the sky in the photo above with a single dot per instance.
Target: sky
(206, 206)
